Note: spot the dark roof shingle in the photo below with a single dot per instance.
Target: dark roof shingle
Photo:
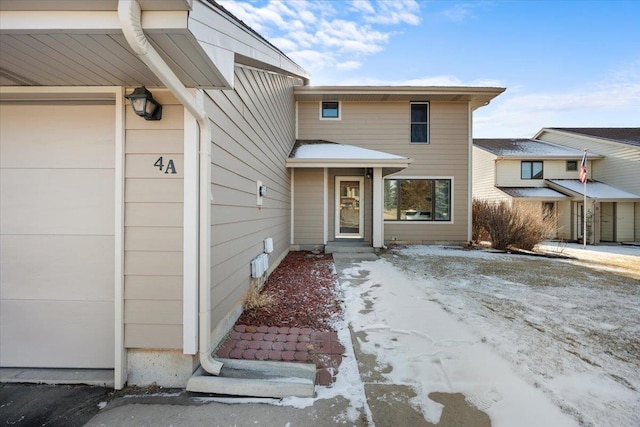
(629, 136)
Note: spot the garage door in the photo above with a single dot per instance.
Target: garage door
(57, 236)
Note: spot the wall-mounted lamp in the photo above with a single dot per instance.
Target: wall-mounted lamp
(368, 173)
(144, 105)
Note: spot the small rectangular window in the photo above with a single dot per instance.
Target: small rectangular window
(420, 122)
(330, 110)
(572, 165)
(531, 170)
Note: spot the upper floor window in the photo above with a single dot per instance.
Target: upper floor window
(330, 110)
(417, 199)
(531, 170)
(572, 165)
(420, 122)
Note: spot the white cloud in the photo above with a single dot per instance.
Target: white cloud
(521, 114)
(338, 38)
(459, 12)
(348, 65)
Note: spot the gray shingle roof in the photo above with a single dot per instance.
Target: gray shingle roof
(629, 136)
(527, 148)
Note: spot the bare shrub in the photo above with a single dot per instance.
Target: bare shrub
(254, 299)
(519, 225)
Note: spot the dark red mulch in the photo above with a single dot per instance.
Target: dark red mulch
(304, 287)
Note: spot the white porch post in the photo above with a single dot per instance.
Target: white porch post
(378, 209)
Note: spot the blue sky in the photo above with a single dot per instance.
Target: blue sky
(564, 63)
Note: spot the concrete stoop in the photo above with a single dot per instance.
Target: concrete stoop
(348, 247)
(256, 379)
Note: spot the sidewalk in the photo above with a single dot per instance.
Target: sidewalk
(362, 396)
(379, 403)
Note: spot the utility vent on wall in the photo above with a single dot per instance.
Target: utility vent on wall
(259, 265)
(268, 245)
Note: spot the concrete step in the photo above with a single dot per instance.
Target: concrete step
(348, 247)
(256, 378)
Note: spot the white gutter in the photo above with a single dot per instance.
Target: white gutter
(129, 13)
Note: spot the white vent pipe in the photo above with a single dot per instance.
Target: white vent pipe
(129, 13)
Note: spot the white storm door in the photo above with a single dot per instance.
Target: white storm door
(349, 203)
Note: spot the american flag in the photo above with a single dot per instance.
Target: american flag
(583, 169)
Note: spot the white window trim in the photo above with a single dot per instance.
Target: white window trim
(423, 223)
(331, 118)
(428, 141)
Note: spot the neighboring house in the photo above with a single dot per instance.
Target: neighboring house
(545, 170)
(126, 244)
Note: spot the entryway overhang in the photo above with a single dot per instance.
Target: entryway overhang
(534, 193)
(595, 190)
(322, 154)
(328, 154)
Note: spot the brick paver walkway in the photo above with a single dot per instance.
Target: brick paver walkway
(250, 342)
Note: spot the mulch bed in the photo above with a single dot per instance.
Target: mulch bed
(303, 286)
(298, 326)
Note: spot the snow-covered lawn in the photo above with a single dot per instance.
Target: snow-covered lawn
(556, 338)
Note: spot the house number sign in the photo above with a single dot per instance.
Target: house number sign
(170, 166)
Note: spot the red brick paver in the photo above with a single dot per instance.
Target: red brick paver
(251, 342)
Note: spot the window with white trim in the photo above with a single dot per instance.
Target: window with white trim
(572, 165)
(330, 110)
(417, 199)
(419, 122)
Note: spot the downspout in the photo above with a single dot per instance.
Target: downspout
(129, 13)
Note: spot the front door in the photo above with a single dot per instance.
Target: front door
(349, 207)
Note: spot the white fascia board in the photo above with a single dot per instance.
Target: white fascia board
(211, 26)
(14, 21)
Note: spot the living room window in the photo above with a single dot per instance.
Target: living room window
(417, 199)
(330, 110)
(531, 170)
(420, 122)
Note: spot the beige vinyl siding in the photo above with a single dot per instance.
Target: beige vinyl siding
(624, 222)
(508, 172)
(57, 194)
(637, 222)
(154, 228)
(253, 130)
(484, 176)
(564, 219)
(385, 126)
(308, 207)
(620, 164)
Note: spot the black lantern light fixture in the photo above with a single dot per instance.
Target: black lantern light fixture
(144, 105)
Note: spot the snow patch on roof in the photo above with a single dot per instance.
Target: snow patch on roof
(595, 189)
(325, 150)
(527, 148)
(533, 192)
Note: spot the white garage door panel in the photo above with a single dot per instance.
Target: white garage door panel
(58, 146)
(57, 236)
(57, 201)
(83, 263)
(57, 334)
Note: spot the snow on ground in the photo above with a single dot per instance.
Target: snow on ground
(569, 328)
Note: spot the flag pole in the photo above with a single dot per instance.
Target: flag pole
(584, 204)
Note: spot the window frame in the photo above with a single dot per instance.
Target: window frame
(427, 123)
(322, 109)
(532, 176)
(574, 168)
(433, 179)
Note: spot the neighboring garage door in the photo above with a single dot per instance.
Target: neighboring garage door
(57, 236)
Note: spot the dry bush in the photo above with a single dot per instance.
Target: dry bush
(519, 225)
(255, 300)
